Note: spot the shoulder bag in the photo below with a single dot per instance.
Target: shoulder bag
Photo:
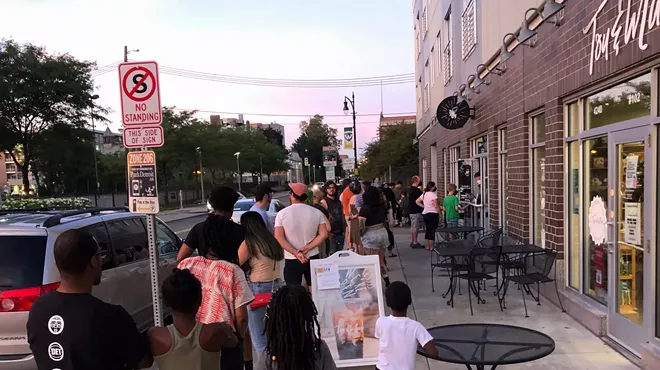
(262, 299)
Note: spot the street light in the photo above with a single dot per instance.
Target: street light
(96, 165)
(346, 110)
(201, 171)
(314, 173)
(238, 169)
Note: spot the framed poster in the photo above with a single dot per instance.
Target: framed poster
(348, 294)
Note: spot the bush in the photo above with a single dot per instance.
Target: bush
(46, 203)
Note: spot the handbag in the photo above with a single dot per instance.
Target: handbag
(262, 299)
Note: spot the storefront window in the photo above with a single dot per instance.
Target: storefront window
(538, 179)
(574, 215)
(620, 103)
(595, 218)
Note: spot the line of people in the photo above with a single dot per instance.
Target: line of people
(226, 295)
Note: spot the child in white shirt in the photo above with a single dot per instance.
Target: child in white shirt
(398, 335)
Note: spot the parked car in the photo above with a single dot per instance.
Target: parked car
(208, 204)
(244, 205)
(27, 267)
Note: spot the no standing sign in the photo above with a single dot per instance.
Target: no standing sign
(140, 93)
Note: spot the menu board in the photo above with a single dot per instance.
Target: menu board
(348, 294)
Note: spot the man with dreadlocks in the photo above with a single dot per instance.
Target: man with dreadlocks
(293, 333)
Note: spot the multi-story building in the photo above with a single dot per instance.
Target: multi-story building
(385, 122)
(275, 126)
(565, 101)
(108, 142)
(11, 177)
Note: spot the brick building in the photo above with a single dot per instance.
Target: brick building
(565, 141)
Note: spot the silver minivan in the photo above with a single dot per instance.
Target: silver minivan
(27, 268)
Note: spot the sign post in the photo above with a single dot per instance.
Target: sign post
(141, 114)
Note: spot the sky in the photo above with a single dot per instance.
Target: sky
(284, 39)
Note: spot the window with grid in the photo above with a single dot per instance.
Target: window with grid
(433, 65)
(468, 28)
(438, 55)
(447, 66)
(537, 148)
(424, 24)
(454, 164)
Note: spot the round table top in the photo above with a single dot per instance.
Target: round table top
(488, 344)
(459, 229)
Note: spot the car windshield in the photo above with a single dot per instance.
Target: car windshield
(21, 261)
(244, 206)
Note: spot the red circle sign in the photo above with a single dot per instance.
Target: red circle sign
(131, 93)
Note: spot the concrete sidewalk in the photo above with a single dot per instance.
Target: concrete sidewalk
(576, 347)
(194, 211)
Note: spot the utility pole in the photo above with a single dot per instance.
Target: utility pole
(125, 53)
(346, 110)
(201, 172)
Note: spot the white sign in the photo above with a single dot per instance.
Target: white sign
(143, 190)
(143, 137)
(633, 221)
(629, 24)
(348, 164)
(631, 171)
(598, 220)
(327, 276)
(330, 173)
(306, 161)
(140, 93)
(347, 314)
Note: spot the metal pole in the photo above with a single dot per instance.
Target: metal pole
(390, 173)
(126, 150)
(238, 169)
(315, 173)
(96, 165)
(125, 53)
(261, 170)
(153, 266)
(309, 172)
(201, 175)
(354, 131)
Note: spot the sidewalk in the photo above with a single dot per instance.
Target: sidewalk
(194, 211)
(576, 347)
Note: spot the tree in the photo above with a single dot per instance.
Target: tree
(394, 149)
(38, 90)
(273, 136)
(314, 136)
(63, 159)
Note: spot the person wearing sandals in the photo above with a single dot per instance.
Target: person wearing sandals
(261, 254)
(372, 219)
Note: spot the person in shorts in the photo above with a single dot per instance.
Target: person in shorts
(300, 229)
(415, 212)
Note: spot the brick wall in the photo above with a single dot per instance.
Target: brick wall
(542, 79)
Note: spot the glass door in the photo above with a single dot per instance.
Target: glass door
(627, 239)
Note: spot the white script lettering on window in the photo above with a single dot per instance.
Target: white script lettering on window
(628, 26)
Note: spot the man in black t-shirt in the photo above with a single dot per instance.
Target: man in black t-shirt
(218, 231)
(415, 212)
(69, 329)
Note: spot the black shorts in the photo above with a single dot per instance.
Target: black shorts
(294, 270)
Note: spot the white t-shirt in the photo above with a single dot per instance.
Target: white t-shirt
(301, 224)
(428, 198)
(398, 338)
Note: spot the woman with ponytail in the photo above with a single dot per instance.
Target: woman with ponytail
(225, 291)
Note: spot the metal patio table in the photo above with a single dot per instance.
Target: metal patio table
(479, 345)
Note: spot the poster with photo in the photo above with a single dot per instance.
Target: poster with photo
(347, 315)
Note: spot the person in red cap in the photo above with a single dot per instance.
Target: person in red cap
(300, 229)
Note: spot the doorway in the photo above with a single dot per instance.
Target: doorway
(628, 238)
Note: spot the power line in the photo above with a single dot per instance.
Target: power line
(270, 82)
(293, 115)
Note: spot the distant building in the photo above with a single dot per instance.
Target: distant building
(295, 173)
(215, 119)
(11, 177)
(108, 142)
(395, 120)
